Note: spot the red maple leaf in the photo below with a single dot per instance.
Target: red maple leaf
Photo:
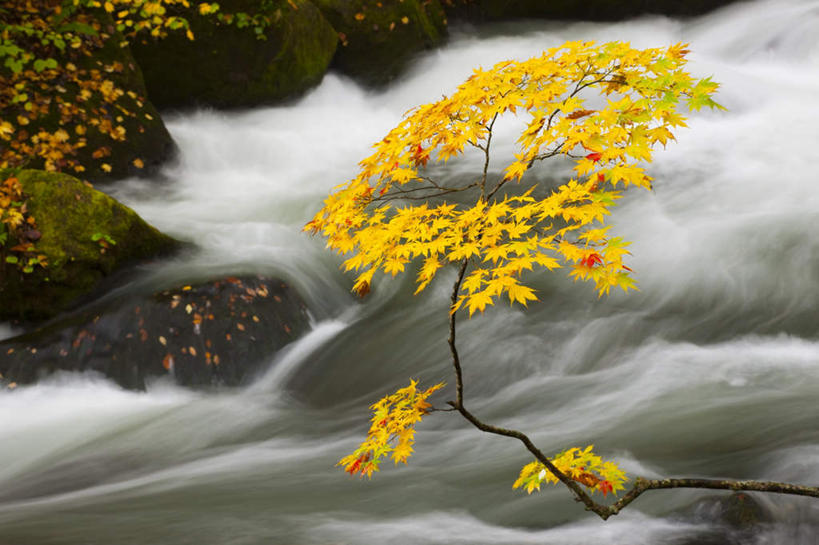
(591, 260)
(354, 467)
(420, 156)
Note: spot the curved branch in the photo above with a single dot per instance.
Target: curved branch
(458, 404)
(640, 484)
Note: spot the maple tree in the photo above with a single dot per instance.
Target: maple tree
(604, 108)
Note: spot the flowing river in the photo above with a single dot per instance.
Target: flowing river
(711, 369)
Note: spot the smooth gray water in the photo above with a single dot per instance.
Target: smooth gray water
(712, 369)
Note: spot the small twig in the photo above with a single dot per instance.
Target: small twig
(557, 151)
(402, 196)
(486, 154)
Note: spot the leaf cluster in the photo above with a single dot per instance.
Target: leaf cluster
(392, 429)
(17, 228)
(582, 465)
(394, 211)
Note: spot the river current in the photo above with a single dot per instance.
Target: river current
(711, 369)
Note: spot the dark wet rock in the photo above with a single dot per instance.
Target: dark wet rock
(732, 520)
(221, 332)
(379, 38)
(229, 67)
(740, 510)
(85, 236)
(588, 10)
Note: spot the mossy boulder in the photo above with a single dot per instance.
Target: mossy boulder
(594, 10)
(221, 332)
(84, 235)
(379, 38)
(148, 144)
(227, 66)
(100, 107)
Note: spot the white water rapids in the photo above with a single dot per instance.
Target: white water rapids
(711, 369)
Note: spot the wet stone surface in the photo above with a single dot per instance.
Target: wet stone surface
(222, 332)
(734, 519)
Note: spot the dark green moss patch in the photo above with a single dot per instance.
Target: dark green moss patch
(380, 37)
(76, 223)
(228, 67)
(97, 103)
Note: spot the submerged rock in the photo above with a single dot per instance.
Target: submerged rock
(221, 332)
(379, 38)
(85, 236)
(227, 66)
(740, 510)
(733, 520)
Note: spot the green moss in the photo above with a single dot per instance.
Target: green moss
(229, 67)
(69, 214)
(378, 47)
